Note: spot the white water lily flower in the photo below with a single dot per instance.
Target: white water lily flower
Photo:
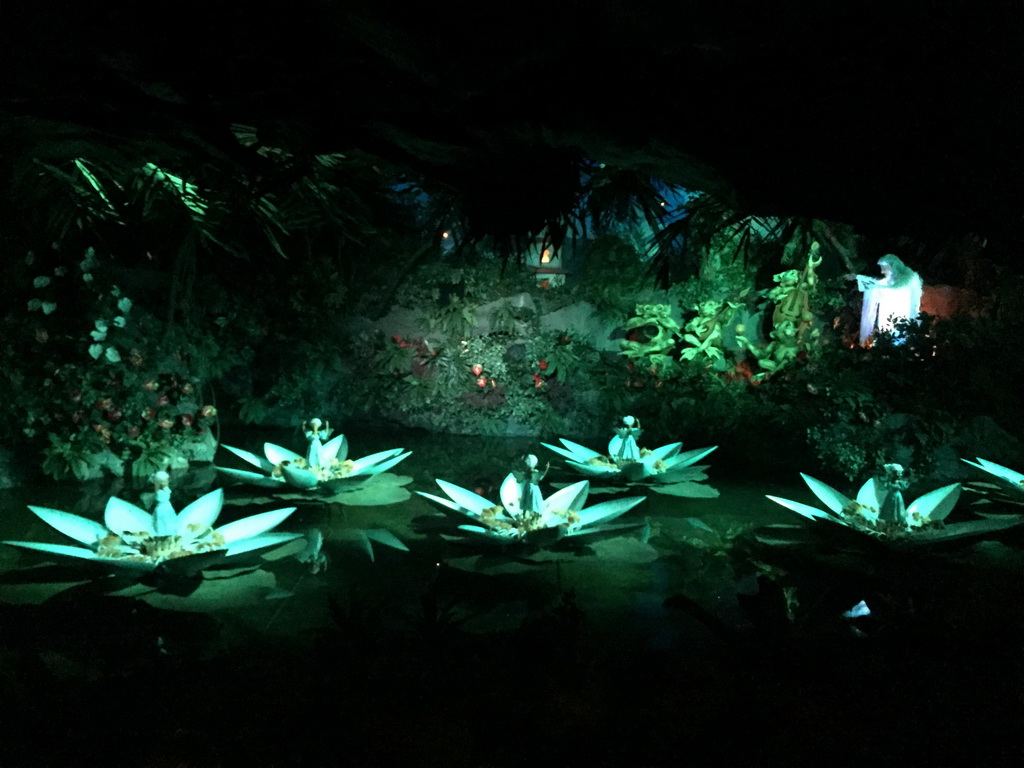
(878, 508)
(664, 464)
(327, 467)
(132, 538)
(560, 515)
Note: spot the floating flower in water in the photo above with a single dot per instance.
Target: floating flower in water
(665, 466)
(879, 510)
(325, 467)
(132, 538)
(524, 516)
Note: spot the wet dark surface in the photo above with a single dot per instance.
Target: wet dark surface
(694, 646)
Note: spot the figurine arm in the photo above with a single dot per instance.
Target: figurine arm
(866, 283)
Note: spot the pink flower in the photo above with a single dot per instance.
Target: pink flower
(163, 400)
(481, 381)
(477, 369)
(166, 423)
(186, 419)
(538, 381)
(543, 365)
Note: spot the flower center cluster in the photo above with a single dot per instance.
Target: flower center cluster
(145, 547)
(499, 519)
(604, 461)
(332, 470)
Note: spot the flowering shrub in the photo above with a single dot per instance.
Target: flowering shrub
(106, 384)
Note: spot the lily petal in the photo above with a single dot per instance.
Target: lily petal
(64, 550)
(606, 510)
(831, 498)
(252, 458)
(935, 505)
(334, 449)
(572, 497)
(276, 454)
(80, 553)
(635, 471)
(510, 493)
(871, 494)
(253, 525)
(563, 452)
(300, 478)
(688, 458)
(812, 513)
(202, 512)
(627, 446)
(1004, 473)
(594, 470)
(120, 516)
(574, 451)
(78, 528)
(445, 502)
(465, 499)
(485, 533)
(260, 541)
(377, 462)
(386, 465)
(663, 452)
(253, 478)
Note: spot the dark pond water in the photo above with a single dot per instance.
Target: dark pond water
(615, 575)
(634, 649)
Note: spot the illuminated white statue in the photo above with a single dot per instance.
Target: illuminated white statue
(888, 300)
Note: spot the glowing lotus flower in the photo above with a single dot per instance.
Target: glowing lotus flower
(545, 521)
(326, 467)
(130, 537)
(879, 509)
(626, 460)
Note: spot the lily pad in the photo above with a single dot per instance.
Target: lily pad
(600, 488)
(218, 591)
(687, 490)
(378, 490)
(493, 565)
(625, 549)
